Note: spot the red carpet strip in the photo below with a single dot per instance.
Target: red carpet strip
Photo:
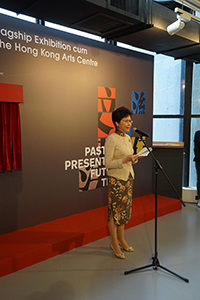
(29, 246)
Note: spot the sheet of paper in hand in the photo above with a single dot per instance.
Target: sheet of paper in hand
(145, 151)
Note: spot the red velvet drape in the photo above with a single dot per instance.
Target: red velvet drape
(10, 137)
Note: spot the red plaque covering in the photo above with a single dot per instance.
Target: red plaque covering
(11, 93)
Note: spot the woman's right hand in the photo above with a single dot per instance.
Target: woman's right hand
(131, 158)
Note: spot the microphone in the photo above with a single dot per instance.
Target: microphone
(140, 132)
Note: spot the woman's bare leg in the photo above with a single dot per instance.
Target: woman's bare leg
(113, 233)
(121, 238)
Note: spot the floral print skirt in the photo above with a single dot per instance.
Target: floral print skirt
(120, 199)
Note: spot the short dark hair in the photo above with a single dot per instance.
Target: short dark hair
(119, 114)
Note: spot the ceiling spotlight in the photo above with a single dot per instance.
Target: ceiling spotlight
(183, 17)
(176, 26)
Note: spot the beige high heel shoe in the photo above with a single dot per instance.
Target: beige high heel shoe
(121, 255)
(129, 249)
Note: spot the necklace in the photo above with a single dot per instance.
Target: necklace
(120, 132)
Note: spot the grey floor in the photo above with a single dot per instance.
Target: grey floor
(92, 272)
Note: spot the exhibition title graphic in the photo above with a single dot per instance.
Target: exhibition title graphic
(92, 170)
(45, 47)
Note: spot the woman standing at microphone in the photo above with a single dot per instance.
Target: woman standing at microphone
(119, 158)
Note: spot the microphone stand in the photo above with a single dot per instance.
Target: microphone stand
(155, 261)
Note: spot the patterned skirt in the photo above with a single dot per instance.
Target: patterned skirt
(120, 199)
